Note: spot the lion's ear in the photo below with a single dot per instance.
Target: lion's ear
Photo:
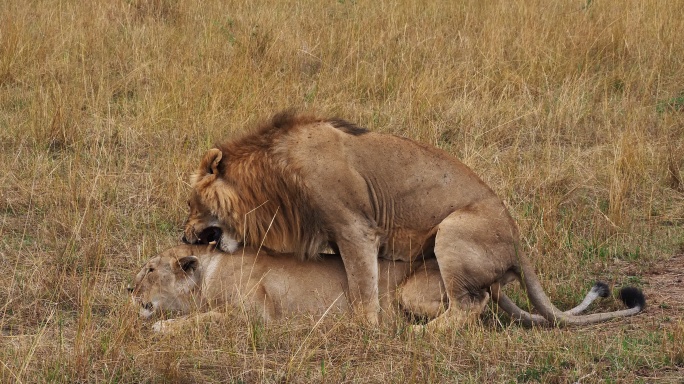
(208, 166)
(211, 161)
(188, 264)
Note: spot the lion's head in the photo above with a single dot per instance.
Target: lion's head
(166, 282)
(211, 195)
(248, 190)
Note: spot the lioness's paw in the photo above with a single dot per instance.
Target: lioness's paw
(163, 325)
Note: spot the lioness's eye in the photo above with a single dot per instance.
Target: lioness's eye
(150, 270)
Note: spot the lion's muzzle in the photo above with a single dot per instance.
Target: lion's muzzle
(206, 236)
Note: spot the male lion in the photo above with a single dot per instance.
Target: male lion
(188, 277)
(300, 183)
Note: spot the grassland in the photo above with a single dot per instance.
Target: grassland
(573, 111)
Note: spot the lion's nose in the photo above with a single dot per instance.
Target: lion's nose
(185, 240)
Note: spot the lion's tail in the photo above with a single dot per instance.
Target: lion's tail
(632, 297)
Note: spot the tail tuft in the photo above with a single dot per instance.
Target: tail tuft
(633, 297)
(601, 288)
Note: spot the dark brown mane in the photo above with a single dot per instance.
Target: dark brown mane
(347, 127)
(263, 135)
(284, 121)
(288, 119)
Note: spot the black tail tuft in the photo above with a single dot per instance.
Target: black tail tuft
(601, 288)
(633, 297)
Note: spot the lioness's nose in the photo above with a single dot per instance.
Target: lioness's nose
(185, 240)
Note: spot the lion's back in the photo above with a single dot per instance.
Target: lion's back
(342, 166)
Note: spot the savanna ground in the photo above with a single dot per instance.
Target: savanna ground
(573, 111)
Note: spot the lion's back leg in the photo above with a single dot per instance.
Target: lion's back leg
(474, 247)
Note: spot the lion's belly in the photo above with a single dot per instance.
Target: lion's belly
(407, 245)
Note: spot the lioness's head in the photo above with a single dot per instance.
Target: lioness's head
(166, 282)
(211, 206)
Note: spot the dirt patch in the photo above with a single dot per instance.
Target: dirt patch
(665, 288)
(663, 285)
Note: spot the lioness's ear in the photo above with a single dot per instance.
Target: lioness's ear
(188, 263)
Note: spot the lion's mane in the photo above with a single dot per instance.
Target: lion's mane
(267, 195)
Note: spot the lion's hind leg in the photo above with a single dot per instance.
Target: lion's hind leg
(475, 248)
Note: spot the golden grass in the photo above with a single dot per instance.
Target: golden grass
(573, 111)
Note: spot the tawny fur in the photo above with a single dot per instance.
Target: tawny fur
(274, 287)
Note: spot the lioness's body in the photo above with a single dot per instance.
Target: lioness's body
(187, 277)
(301, 183)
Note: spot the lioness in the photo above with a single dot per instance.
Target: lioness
(300, 183)
(188, 277)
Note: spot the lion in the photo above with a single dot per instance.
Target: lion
(299, 184)
(189, 278)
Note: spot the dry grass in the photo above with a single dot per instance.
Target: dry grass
(573, 111)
